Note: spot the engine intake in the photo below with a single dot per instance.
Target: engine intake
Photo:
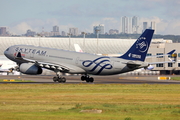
(30, 68)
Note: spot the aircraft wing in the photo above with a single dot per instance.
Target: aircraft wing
(171, 61)
(169, 53)
(48, 65)
(161, 62)
(133, 64)
(4, 70)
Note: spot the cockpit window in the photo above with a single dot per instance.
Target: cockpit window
(7, 49)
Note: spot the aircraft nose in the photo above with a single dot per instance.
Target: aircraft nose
(7, 52)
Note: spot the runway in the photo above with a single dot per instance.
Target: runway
(114, 79)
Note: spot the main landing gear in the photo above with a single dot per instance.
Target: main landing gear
(87, 78)
(58, 78)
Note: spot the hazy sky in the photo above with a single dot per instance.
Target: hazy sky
(20, 15)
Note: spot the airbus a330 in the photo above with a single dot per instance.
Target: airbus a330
(31, 60)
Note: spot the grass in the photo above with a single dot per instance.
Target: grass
(65, 101)
(175, 78)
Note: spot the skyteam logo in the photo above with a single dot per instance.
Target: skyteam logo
(100, 64)
(142, 44)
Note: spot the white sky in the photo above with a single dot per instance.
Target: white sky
(20, 15)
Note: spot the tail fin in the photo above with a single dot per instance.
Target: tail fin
(139, 49)
(77, 48)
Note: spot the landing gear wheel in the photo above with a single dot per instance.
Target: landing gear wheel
(83, 78)
(87, 78)
(63, 79)
(91, 79)
(58, 78)
(55, 79)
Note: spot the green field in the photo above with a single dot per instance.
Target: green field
(65, 101)
(175, 78)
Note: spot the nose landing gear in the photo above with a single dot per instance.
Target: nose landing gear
(58, 78)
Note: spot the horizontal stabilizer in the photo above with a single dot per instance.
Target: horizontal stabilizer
(171, 52)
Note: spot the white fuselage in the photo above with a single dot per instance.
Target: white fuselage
(76, 62)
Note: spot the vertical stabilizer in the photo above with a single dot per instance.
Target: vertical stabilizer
(140, 48)
(77, 48)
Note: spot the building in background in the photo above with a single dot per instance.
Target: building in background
(130, 25)
(73, 31)
(145, 26)
(125, 25)
(63, 33)
(113, 31)
(3, 31)
(153, 26)
(135, 25)
(30, 33)
(55, 31)
(99, 29)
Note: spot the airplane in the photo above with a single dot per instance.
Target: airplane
(7, 66)
(31, 60)
(77, 48)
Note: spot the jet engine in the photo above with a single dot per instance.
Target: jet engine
(150, 67)
(30, 68)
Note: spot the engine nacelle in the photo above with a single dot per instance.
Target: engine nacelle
(150, 67)
(30, 68)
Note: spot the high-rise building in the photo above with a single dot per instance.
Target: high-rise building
(73, 31)
(135, 24)
(3, 31)
(100, 29)
(125, 24)
(55, 29)
(145, 26)
(63, 33)
(129, 25)
(153, 26)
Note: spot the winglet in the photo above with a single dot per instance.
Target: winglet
(140, 48)
(171, 52)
